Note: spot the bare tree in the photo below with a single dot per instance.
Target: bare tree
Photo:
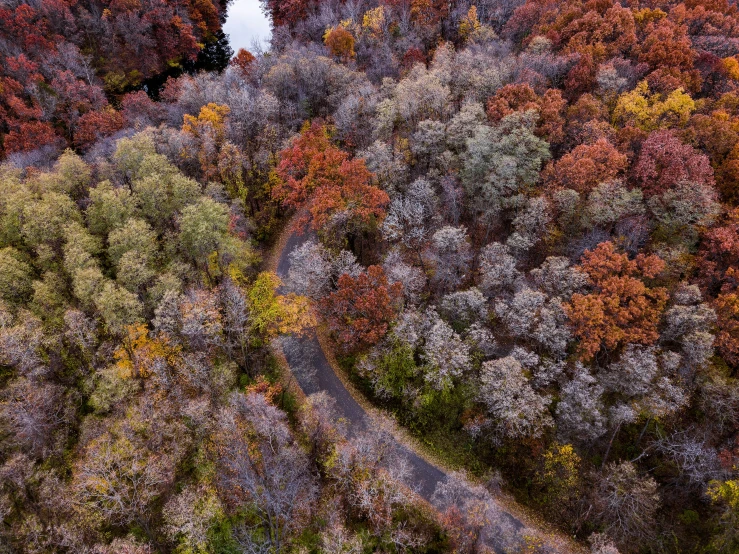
(262, 468)
(625, 503)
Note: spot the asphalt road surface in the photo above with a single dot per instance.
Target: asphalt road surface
(314, 374)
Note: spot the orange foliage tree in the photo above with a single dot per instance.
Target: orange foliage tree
(621, 308)
(360, 311)
(586, 166)
(314, 174)
(340, 43)
(244, 61)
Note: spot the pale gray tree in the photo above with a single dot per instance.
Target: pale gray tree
(580, 411)
(498, 271)
(450, 254)
(502, 162)
(517, 410)
(310, 270)
(557, 277)
(464, 306)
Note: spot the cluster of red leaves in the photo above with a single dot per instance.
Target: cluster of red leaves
(360, 311)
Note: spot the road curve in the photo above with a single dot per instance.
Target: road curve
(314, 373)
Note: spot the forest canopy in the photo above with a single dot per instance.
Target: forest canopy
(518, 234)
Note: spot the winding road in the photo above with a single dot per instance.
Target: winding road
(313, 372)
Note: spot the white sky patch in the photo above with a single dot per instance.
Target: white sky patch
(246, 23)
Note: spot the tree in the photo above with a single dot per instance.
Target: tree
(119, 478)
(517, 410)
(650, 112)
(95, 125)
(557, 278)
(685, 209)
(727, 338)
(189, 517)
(313, 173)
(118, 307)
(620, 308)
(585, 167)
(531, 315)
(208, 129)
(340, 43)
(580, 412)
(558, 476)
(270, 314)
(450, 256)
(203, 229)
(467, 511)
(310, 270)
(135, 235)
(501, 162)
(110, 207)
(408, 216)
(263, 469)
(15, 276)
(626, 503)
(668, 46)
(497, 269)
(445, 355)
(465, 306)
(521, 98)
(360, 311)
(719, 255)
(689, 325)
(36, 417)
(244, 61)
(665, 161)
(726, 494)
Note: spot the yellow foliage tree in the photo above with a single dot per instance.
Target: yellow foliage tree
(211, 118)
(469, 24)
(272, 314)
(726, 493)
(653, 111)
(209, 128)
(139, 351)
(374, 21)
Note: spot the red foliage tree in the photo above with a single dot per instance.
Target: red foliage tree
(727, 321)
(668, 51)
(95, 125)
(288, 12)
(665, 161)
(621, 308)
(28, 135)
(360, 311)
(313, 173)
(244, 61)
(719, 256)
(585, 167)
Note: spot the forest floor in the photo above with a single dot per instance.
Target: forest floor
(309, 360)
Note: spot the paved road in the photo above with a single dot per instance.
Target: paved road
(314, 373)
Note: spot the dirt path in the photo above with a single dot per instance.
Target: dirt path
(314, 373)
